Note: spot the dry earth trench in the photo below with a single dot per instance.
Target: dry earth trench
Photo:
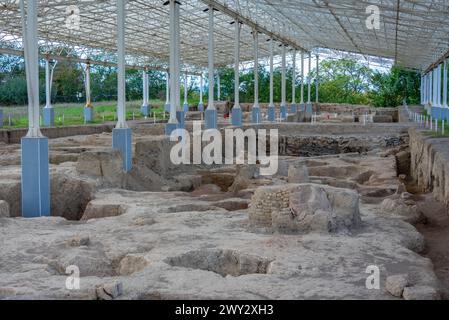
(341, 206)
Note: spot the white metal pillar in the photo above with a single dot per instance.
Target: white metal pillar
(309, 98)
(87, 87)
(283, 84)
(167, 92)
(122, 135)
(47, 84)
(145, 108)
(35, 184)
(271, 107)
(302, 81)
(29, 22)
(174, 20)
(186, 92)
(445, 84)
(145, 87)
(317, 77)
(211, 112)
(236, 117)
(256, 115)
(439, 85)
(294, 108)
(201, 103)
(211, 59)
(434, 92)
(218, 86)
(121, 89)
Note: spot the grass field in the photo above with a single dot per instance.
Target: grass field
(73, 114)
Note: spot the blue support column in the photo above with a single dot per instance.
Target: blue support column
(283, 112)
(271, 113)
(294, 108)
(49, 117)
(446, 114)
(181, 117)
(309, 108)
(170, 127)
(302, 107)
(145, 110)
(88, 115)
(201, 107)
(256, 116)
(122, 141)
(210, 117)
(236, 117)
(167, 107)
(35, 177)
(186, 107)
(1, 118)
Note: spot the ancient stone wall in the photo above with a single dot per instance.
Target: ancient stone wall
(430, 163)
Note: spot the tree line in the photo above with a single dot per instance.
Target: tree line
(341, 81)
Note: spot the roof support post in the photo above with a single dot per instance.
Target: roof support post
(29, 21)
(445, 84)
(236, 117)
(121, 90)
(435, 88)
(48, 112)
(145, 109)
(283, 85)
(167, 92)
(186, 93)
(271, 107)
(122, 135)
(439, 85)
(317, 78)
(174, 72)
(201, 103)
(88, 110)
(302, 105)
(294, 107)
(211, 112)
(218, 86)
(35, 156)
(256, 115)
(309, 107)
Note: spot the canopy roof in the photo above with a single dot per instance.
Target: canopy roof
(414, 33)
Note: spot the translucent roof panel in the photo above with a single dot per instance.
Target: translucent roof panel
(414, 33)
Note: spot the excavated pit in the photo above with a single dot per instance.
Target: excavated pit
(223, 262)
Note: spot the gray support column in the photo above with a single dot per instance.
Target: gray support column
(48, 112)
(122, 135)
(256, 114)
(35, 182)
(211, 112)
(317, 78)
(309, 107)
(271, 107)
(88, 108)
(236, 117)
(145, 108)
(294, 107)
(302, 105)
(174, 20)
(283, 85)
